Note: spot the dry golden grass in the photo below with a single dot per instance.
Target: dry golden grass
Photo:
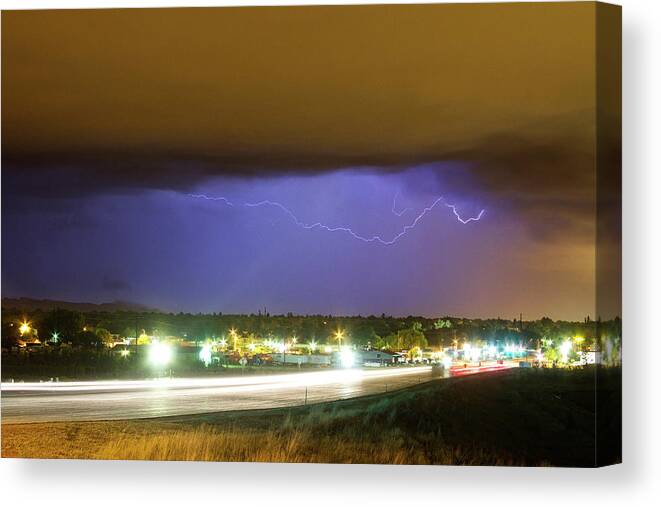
(156, 441)
(65, 440)
(209, 444)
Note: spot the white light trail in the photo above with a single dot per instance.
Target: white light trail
(287, 380)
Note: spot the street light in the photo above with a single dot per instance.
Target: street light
(205, 354)
(339, 336)
(25, 328)
(160, 353)
(347, 358)
(564, 350)
(579, 342)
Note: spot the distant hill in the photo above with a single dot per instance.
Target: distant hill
(29, 304)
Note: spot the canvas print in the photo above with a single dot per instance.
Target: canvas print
(383, 234)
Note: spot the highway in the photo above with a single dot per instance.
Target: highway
(112, 400)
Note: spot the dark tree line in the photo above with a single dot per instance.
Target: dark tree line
(93, 329)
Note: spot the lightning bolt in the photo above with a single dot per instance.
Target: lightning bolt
(366, 239)
(394, 209)
(466, 220)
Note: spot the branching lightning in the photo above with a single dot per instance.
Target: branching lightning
(367, 239)
(394, 206)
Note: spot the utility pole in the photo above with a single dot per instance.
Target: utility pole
(135, 361)
(136, 337)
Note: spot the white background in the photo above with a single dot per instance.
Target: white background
(636, 482)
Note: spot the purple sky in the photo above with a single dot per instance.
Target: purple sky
(180, 253)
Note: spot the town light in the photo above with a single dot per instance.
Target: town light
(55, 337)
(347, 358)
(234, 336)
(564, 350)
(25, 328)
(339, 336)
(205, 354)
(160, 353)
(313, 346)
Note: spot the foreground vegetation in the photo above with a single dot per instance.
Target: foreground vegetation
(522, 417)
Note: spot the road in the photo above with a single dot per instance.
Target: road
(107, 400)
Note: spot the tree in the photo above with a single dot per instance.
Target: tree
(405, 339)
(104, 336)
(9, 334)
(442, 324)
(364, 334)
(66, 323)
(86, 339)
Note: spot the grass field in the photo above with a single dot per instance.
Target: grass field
(521, 417)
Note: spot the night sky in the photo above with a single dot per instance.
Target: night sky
(114, 123)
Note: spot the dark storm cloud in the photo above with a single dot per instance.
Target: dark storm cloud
(505, 162)
(118, 101)
(546, 174)
(162, 98)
